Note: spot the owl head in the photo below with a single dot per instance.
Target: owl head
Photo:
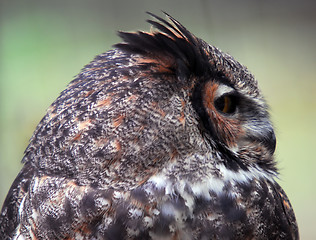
(162, 103)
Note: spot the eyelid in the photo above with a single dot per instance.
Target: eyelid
(223, 90)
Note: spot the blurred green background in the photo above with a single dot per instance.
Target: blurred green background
(44, 43)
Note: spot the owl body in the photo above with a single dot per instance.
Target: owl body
(164, 137)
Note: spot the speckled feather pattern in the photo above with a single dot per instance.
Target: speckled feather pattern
(136, 147)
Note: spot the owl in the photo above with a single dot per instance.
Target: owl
(163, 137)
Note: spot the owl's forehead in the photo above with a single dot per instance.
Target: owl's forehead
(232, 71)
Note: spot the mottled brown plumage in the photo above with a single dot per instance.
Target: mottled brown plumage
(164, 137)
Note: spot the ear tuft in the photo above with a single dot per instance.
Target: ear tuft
(171, 41)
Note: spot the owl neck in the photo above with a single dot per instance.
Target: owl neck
(205, 181)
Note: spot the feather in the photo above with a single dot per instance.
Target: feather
(170, 40)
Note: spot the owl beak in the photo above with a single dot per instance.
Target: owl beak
(266, 140)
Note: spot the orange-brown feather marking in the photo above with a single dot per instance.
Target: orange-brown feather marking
(227, 128)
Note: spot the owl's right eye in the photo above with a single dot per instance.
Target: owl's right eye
(226, 103)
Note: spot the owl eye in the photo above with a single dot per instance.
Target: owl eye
(226, 104)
